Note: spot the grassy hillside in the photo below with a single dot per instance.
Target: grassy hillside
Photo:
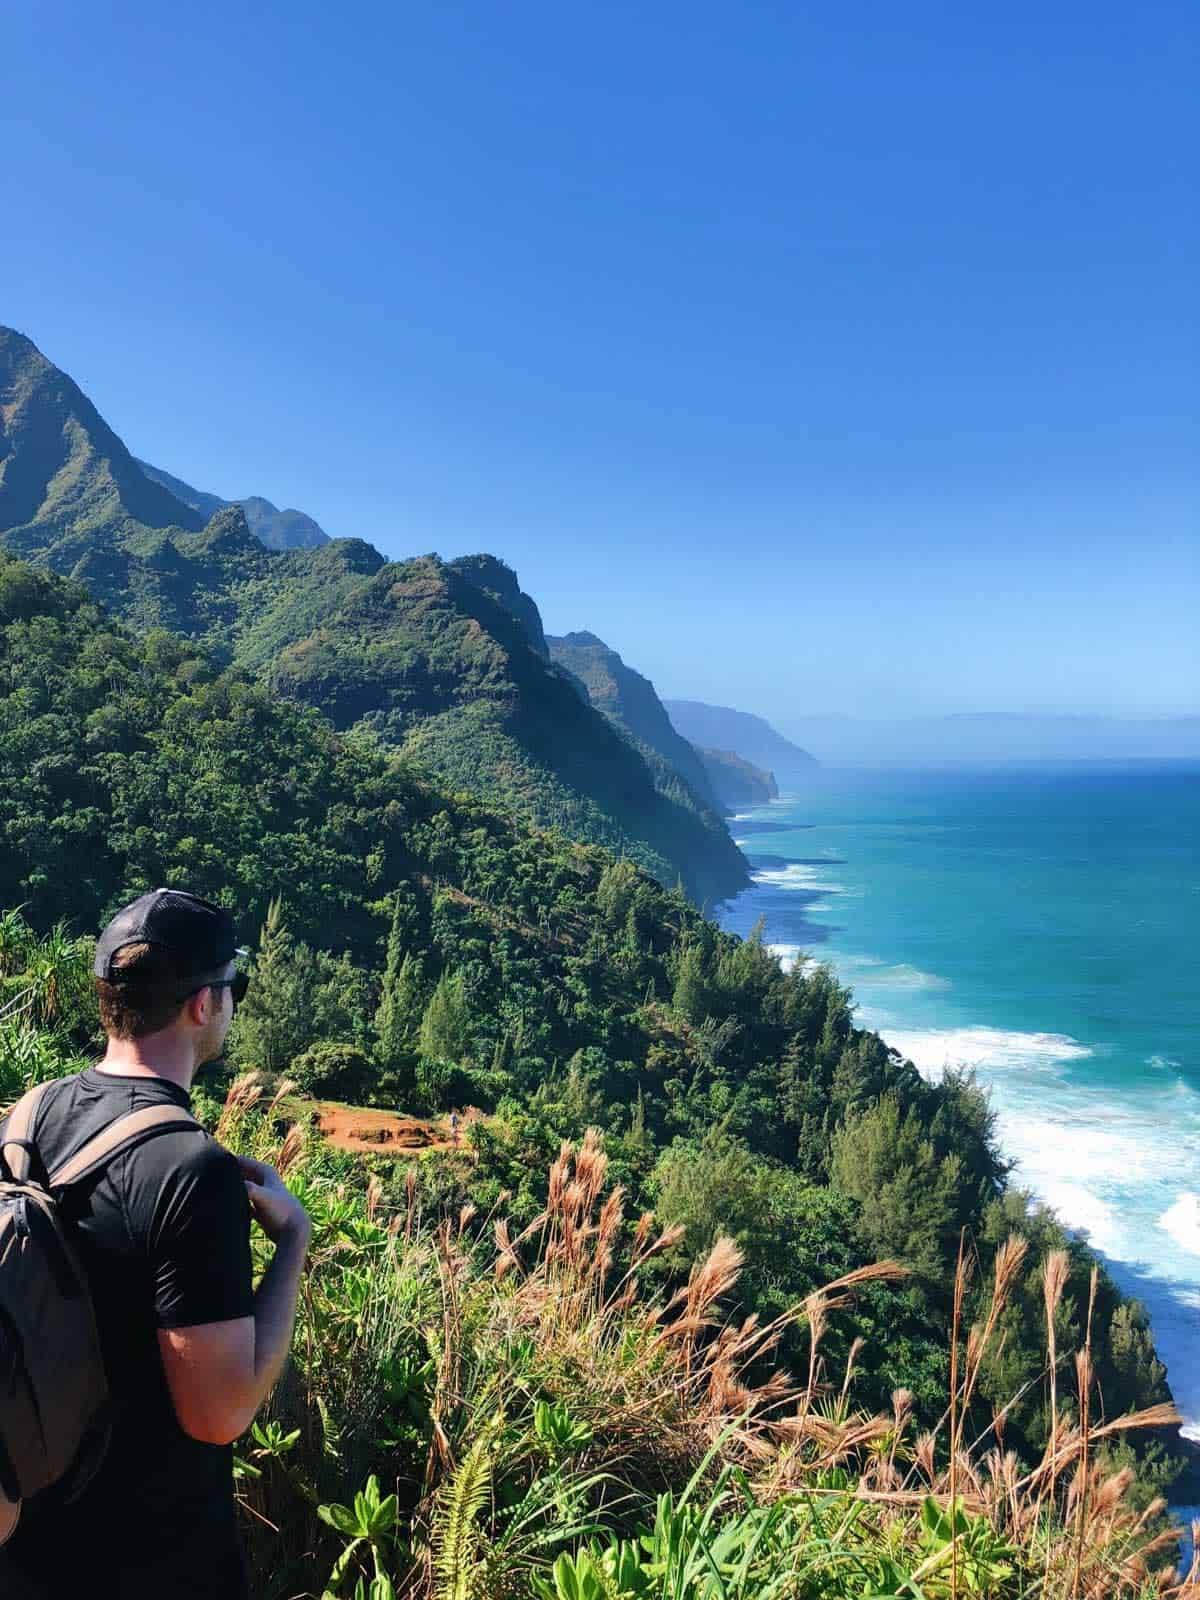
(486, 1407)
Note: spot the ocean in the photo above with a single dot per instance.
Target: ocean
(1040, 924)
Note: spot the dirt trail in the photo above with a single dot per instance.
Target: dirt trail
(360, 1129)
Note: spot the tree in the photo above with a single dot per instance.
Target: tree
(402, 1002)
(337, 1070)
(298, 997)
(910, 1197)
(273, 1021)
(445, 1027)
(690, 998)
(794, 1082)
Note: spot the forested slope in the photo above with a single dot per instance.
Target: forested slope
(429, 951)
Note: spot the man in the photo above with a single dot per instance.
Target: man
(192, 1350)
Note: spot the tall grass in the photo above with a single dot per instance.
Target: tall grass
(478, 1413)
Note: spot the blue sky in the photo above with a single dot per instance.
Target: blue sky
(820, 357)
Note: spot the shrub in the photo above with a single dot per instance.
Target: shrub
(336, 1070)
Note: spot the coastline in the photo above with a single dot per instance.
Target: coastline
(797, 885)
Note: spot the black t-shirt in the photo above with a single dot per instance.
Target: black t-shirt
(164, 1237)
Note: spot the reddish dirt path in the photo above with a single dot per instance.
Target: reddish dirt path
(362, 1129)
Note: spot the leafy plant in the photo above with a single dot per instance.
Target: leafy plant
(369, 1522)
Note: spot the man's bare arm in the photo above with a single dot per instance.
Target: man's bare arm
(220, 1373)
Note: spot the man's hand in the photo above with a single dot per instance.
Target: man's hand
(276, 1210)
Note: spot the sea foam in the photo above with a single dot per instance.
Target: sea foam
(933, 1050)
(797, 875)
(1182, 1222)
(872, 972)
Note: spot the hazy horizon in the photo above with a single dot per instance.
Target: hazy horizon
(990, 737)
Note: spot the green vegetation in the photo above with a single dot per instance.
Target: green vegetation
(414, 948)
(64, 474)
(485, 1407)
(430, 662)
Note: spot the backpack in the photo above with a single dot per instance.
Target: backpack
(54, 1398)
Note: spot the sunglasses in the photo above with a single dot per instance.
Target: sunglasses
(239, 983)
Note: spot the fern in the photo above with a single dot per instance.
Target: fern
(455, 1535)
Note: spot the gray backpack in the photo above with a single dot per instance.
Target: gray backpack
(53, 1387)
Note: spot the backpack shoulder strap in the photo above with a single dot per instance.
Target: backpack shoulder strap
(18, 1149)
(132, 1129)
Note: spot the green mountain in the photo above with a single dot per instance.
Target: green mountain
(630, 701)
(722, 728)
(428, 662)
(68, 483)
(278, 530)
(498, 580)
(447, 661)
(736, 782)
(65, 477)
(433, 664)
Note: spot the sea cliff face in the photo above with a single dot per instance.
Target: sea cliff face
(737, 782)
(630, 700)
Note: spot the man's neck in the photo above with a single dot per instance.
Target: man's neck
(154, 1057)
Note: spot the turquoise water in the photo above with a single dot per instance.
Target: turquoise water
(1041, 925)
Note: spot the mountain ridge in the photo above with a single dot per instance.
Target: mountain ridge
(67, 478)
(63, 470)
(286, 529)
(736, 781)
(724, 728)
(628, 698)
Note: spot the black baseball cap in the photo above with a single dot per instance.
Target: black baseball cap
(189, 935)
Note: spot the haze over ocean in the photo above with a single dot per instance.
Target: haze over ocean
(1039, 924)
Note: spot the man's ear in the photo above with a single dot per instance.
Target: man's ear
(198, 1007)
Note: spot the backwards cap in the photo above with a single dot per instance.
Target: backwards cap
(191, 935)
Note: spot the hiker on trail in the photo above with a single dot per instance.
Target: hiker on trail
(191, 1350)
(454, 1126)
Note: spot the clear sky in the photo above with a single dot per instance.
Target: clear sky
(823, 356)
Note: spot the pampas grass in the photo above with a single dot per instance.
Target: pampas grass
(671, 1401)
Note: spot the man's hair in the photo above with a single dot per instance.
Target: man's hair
(144, 1002)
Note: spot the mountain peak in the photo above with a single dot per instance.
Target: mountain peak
(64, 473)
(226, 533)
(583, 640)
(497, 579)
